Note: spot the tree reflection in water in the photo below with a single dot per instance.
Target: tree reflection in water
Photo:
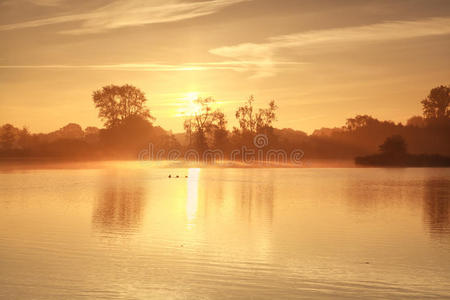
(436, 205)
(120, 204)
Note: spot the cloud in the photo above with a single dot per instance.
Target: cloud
(19, 4)
(47, 2)
(386, 31)
(126, 13)
(238, 66)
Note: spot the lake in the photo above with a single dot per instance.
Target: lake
(125, 230)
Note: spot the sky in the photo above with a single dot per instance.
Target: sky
(322, 61)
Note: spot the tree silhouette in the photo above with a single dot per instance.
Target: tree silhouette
(254, 122)
(219, 131)
(24, 138)
(246, 117)
(8, 137)
(416, 121)
(118, 103)
(266, 117)
(360, 121)
(436, 104)
(204, 123)
(394, 145)
(129, 131)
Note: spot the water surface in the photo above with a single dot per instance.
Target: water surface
(127, 231)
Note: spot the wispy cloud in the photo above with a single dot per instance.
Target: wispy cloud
(126, 13)
(238, 66)
(386, 31)
(46, 2)
(19, 3)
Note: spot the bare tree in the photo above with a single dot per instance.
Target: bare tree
(246, 116)
(252, 121)
(202, 124)
(266, 117)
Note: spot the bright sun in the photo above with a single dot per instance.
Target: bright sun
(188, 105)
(191, 96)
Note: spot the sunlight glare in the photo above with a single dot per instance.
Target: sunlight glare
(188, 105)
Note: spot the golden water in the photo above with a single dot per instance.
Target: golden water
(127, 231)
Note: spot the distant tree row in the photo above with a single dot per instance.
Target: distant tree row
(129, 128)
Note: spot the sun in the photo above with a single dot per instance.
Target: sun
(188, 107)
(191, 96)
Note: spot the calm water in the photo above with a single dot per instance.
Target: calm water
(126, 231)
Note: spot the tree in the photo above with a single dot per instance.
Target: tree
(118, 103)
(204, 123)
(246, 117)
(7, 137)
(188, 126)
(266, 117)
(24, 138)
(416, 121)
(361, 121)
(254, 122)
(91, 134)
(436, 104)
(91, 130)
(71, 131)
(219, 131)
(394, 145)
(128, 137)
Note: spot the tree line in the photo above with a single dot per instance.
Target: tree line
(129, 128)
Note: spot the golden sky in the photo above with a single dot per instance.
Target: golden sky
(322, 61)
